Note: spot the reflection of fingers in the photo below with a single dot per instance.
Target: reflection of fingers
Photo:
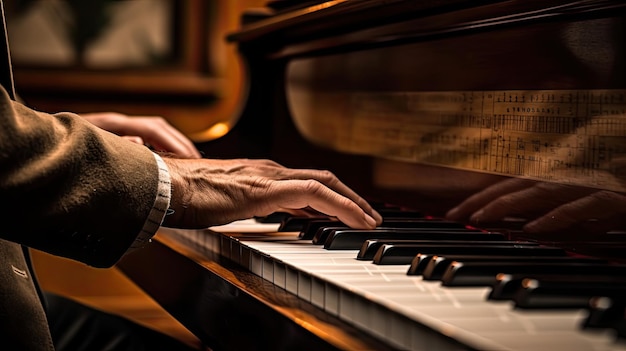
(597, 211)
(483, 198)
(310, 193)
(521, 203)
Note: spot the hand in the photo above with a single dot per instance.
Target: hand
(213, 192)
(154, 131)
(549, 207)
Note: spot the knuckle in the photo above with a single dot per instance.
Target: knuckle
(312, 186)
(269, 163)
(608, 197)
(327, 176)
(506, 201)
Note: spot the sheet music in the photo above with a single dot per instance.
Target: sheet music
(574, 137)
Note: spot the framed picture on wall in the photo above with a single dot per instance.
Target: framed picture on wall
(115, 47)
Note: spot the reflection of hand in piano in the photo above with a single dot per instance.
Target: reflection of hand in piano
(209, 192)
(550, 207)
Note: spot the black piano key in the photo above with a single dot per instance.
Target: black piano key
(399, 213)
(297, 223)
(310, 228)
(605, 312)
(323, 234)
(370, 246)
(506, 285)
(276, 217)
(328, 234)
(404, 254)
(419, 263)
(421, 223)
(484, 274)
(352, 239)
(557, 293)
(399, 217)
(290, 223)
(438, 265)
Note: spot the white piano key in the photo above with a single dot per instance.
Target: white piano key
(557, 341)
(331, 299)
(403, 310)
(291, 279)
(280, 274)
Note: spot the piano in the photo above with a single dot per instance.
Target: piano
(419, 106)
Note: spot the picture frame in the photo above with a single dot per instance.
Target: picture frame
(190, 72)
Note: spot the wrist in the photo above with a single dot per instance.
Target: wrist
(179, 202)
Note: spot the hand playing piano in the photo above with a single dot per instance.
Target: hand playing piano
(154, 131)
(548, 207)
(213, 192)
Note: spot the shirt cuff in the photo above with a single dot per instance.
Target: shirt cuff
(159, 208)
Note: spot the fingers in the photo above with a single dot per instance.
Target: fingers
(515, 197)
(297, 194)
(598, 212)
(155, 131)
(474, 206)
(162, 136)
(209, 192)
(331, 181)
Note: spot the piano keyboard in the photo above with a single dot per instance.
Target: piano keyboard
(402, 310)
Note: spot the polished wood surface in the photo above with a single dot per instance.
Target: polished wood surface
(510, 45)
(201, 88)
(108, 290)
(307, 66)
(230, 308)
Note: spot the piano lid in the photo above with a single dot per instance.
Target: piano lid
(447, 99)
(509, 105)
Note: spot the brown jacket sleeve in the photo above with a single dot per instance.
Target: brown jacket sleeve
(69, 188)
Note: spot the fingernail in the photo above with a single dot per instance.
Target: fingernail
(530, 227)
(452, 213)
(377, 217)
(370, 221)
(476, 217)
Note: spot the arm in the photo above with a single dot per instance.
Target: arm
(74, 190)
(212, 192)
(67, 186)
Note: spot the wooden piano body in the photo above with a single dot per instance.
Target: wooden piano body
(415, 103)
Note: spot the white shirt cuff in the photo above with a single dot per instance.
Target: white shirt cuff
(159, 208)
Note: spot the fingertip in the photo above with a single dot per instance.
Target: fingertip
(453, 214)
(378, 219)
(531, 227)
(195, 153)
(371, 222)
(477, 217)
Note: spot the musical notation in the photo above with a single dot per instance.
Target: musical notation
(574, 137)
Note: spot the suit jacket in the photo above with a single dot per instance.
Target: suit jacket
(66, 188)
